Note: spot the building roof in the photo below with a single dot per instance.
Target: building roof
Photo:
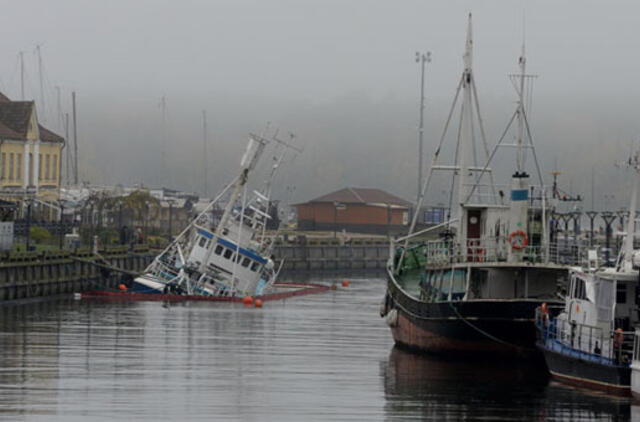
(14, 121)
(361, 196)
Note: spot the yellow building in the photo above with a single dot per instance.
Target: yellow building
(30, 155)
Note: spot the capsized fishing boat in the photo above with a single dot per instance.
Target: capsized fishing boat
(229, 256)
(590, 341)
(476, 287)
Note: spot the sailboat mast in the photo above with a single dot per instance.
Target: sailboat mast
(631, 220)
(205, 159)
(21, 55)
(42, 111)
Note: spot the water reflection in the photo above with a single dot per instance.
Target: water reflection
(431, 387)
(322, 357)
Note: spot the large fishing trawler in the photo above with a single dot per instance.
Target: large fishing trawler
(476, 287)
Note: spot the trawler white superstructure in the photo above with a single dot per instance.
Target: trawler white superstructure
(230, 257)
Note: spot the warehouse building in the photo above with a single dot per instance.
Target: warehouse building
(356, 210)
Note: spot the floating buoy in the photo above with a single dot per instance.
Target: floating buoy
(258, 303)
(247, 300)
(345, 283)
(544, 308)
(123, 287)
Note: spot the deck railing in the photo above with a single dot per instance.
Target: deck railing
(584, 341)
(442, 252)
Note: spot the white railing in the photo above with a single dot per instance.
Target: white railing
(441, 252)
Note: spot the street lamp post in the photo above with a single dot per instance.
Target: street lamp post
(421, 58)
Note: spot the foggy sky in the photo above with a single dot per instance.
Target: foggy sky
(340, 74)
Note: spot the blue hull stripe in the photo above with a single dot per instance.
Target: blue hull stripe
(234, 247)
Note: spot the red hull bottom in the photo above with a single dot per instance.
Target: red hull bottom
(296, 290)
(407, 334)
(617, 390)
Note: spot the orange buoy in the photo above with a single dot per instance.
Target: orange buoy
(247, 300)
(123, 287)
(345, 283)
(258, 303)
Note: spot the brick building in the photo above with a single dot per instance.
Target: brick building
(356, 210)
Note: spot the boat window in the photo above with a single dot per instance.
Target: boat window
(255, 266)
(238, 257)
(246, 262)
(579, 290)
(228, 253)
(203, 241)
(621, 293)
(218, 250)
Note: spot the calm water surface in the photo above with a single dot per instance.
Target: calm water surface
(321, 357)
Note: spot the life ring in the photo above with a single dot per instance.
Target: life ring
(515, 245)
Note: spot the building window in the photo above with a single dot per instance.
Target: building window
(46, 168)
(39, 166)
(54, 168)
(11, 166)
(18, 166)
(4, 165)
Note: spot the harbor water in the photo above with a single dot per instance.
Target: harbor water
(320, 357)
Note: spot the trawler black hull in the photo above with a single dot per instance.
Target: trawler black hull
(494, 326)
(614, 379)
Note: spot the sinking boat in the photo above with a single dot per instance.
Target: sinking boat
(227, 256)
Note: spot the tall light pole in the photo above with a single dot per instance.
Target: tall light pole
(421, 58)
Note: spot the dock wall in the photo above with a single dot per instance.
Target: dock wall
(322, 255)
(37, 275)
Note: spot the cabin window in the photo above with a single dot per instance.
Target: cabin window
(238, 257)
(228, 253)
(579, 290)
(246, 262)
(219, 250)
(254, 266)
(203, 241)
(621, 293)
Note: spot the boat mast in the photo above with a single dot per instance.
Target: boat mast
(627, 265)
(466, 126)
(521, 128)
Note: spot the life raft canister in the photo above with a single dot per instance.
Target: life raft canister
(518, 245)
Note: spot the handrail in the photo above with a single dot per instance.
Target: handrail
(428, 229)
